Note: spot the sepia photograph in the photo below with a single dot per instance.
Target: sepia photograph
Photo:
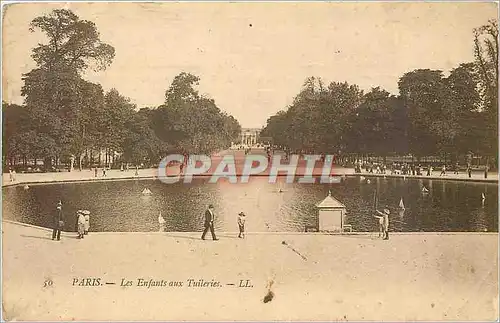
(250, 161)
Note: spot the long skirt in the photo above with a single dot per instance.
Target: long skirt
(81, 228)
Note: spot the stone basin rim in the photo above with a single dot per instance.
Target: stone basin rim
(90, 180)
(285, 233)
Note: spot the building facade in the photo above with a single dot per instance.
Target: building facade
(249, 136)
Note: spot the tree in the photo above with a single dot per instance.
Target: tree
(372, 125)
(141, 143)
(73, 43)
(317, 118)
(191, 122)
(486, 61)
(56, 96)
(422, 92)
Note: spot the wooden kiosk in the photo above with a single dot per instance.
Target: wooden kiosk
(331, 215)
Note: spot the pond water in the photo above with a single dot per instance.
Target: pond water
(120, 206)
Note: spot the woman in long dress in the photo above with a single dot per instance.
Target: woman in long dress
(81, 224)
(86, 214)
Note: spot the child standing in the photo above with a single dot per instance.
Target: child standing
(384, 222)
(241, 224)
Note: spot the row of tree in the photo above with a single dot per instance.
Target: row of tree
(433, 115)
(66, 117)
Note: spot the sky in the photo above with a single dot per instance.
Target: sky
(252, 58)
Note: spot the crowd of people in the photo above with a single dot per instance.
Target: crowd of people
(413, 169)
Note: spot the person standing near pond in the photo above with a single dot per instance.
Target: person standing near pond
(209, 222)
(86, 227)
(241, 224)
(58, 222)
(384, 222)
(81, 224)
(443, 170)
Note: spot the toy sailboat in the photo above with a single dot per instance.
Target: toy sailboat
(401, 204)
(161, 220)
(483, 197)
(147, 191)
(425, 190)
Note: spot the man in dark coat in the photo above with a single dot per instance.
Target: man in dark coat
(209, 222)
(58, 222)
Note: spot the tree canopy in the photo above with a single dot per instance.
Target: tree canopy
(433, 115)
(64, 115)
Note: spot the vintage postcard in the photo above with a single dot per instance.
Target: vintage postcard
(250, 161)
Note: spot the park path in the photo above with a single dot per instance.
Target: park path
(152, 173)
(421, 276)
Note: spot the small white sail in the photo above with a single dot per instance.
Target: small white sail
(425, 190)
(401, 204)
(483, 197)
(146, 191)
(161, 220)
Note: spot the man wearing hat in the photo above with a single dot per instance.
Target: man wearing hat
(241, 224)
(209, 222)
(58, 222)
(384, 219)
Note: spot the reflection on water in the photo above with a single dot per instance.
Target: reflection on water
(120, 206)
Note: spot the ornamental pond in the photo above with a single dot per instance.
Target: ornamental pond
(119, 206)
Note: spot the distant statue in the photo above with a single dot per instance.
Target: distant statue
(72, 163)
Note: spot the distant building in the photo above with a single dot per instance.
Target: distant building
(249, 136)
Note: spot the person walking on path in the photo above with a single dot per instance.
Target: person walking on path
(209, 222)
(86, 227)
(384, 218)
(443, 170)
(241, 224)
(95, 171)
(58, 222)
(486, 168)
(81, 224)
(469, 170)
